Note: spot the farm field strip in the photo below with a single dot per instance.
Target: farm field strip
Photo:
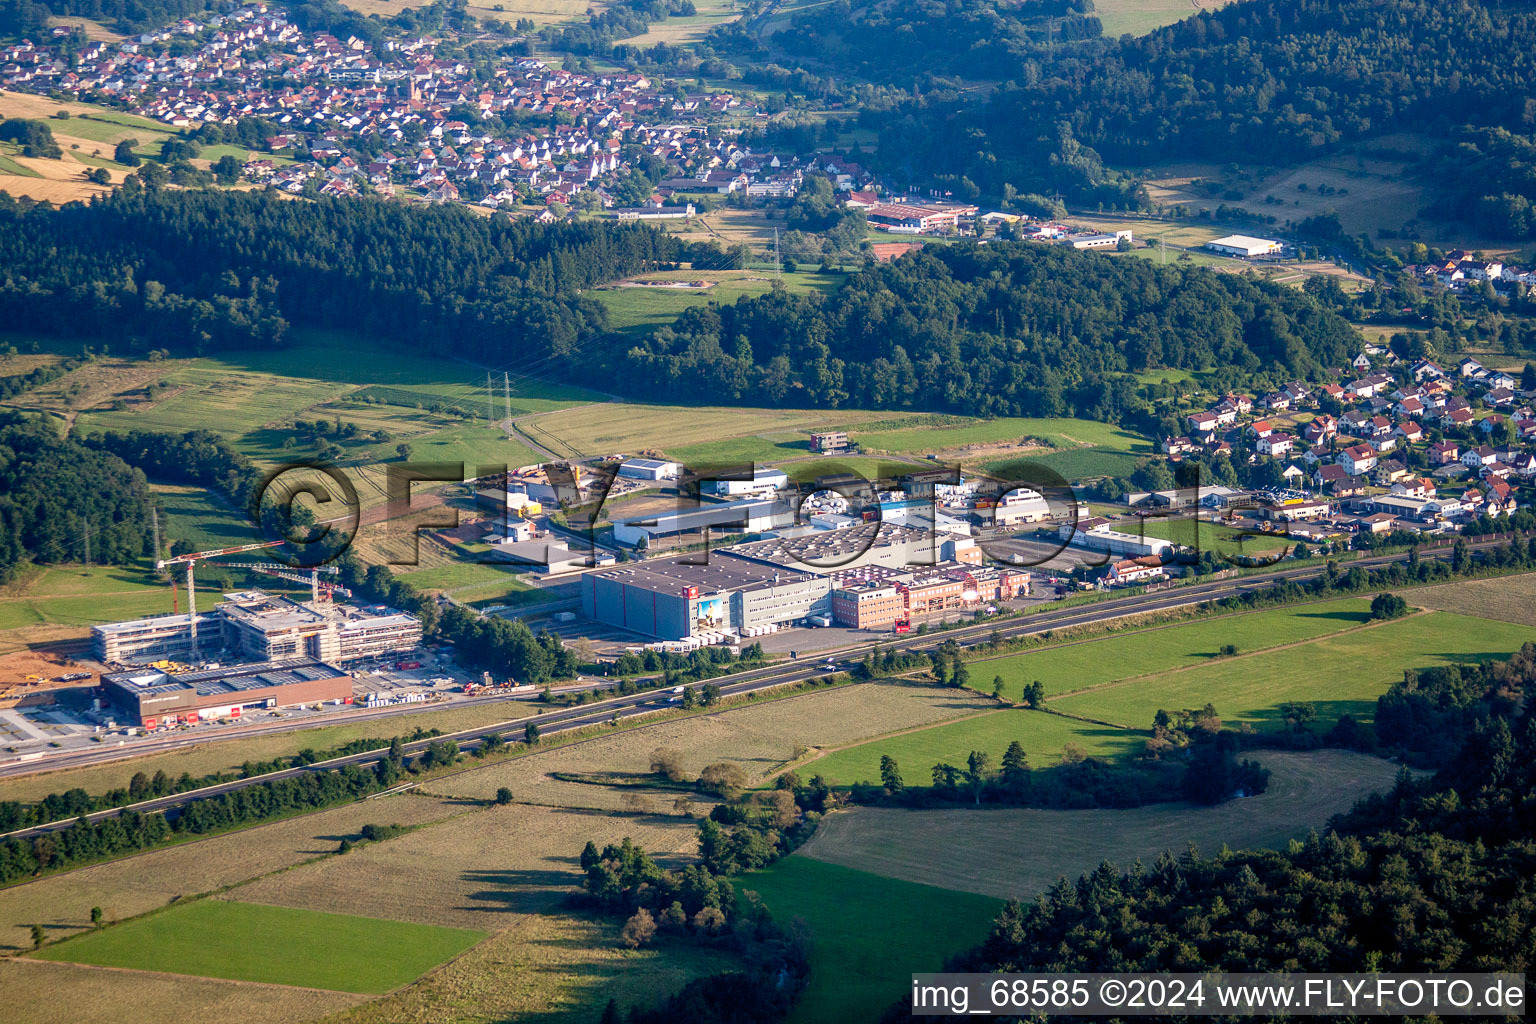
(274, 945)
(1044, 737)
(29, 991)
(134, 885)
(1508, 598)
(482, 870)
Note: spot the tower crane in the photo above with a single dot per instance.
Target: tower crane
(197, 556)
(318, 591)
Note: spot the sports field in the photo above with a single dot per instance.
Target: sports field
(868, 932)
(276, 945)
(1076, 666)
(1341, 673)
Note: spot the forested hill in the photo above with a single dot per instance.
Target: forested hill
(1009, 328)
(60, 499)
(1270, 81)
(904, 43)
(202, 269)
(1434, 876)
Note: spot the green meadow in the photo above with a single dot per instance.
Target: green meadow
(868, 932)
(277, 945)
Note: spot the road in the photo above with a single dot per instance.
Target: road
(740, 683)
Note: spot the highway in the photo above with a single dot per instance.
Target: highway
(767, 677)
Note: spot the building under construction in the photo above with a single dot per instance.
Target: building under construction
(257, 625)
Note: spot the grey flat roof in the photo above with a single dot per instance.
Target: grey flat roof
(229, 679)
(672, 575)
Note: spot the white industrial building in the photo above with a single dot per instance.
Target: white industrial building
(1244, 245)
(731, 517)
(762, 480)
(1099, 537)
(649, 469)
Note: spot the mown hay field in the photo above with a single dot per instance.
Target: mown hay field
(480, 870)
(1343, 673)
(131, 886)
(761, 738)
(30, 992)
(1016, 852)
(1508, 598)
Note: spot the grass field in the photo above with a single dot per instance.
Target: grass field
(1076, 666)
(1342, 673)
(1061, 433)
(1042, 735)
(135, 885)
(640, 308)
(195, 515)
(705, 433)
(252, 398)
(275, 945)
(1138, 17)
(82, 596)
(1509, 598)
(868, 932)
(29, 991)
(1017, 852)
(1208, 536)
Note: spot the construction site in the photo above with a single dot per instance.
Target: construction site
(252, 625)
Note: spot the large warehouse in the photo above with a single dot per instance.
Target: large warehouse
(689, 524)
(153, 698)
(785, 581)
(1244, 245)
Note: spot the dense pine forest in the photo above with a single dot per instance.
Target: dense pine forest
(1009, 328)
(1265, 81)
(1432, 876)
(57, 496)
(200, 270)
